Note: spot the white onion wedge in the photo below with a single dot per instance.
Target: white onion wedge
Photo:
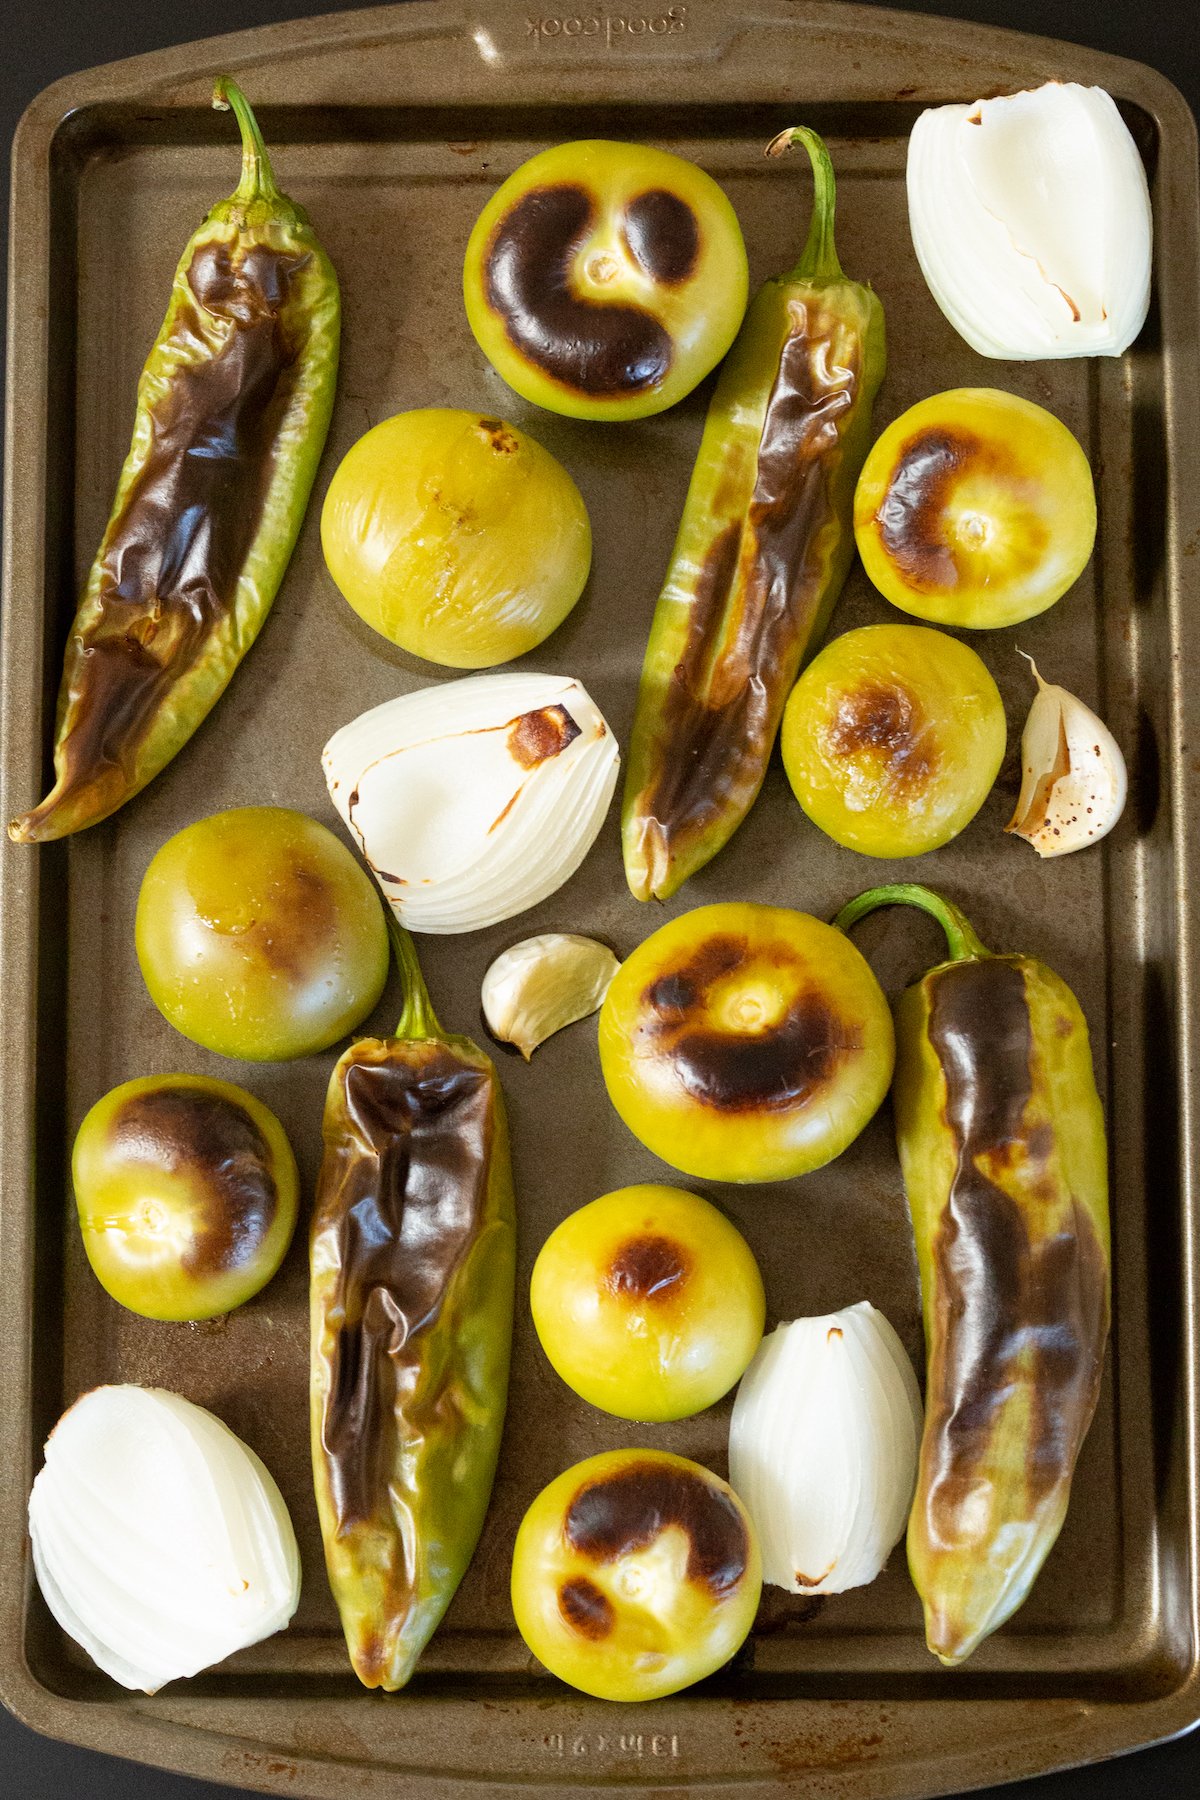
(160, 1541)
(823, 1448)
(477, 799)
(1030, 217)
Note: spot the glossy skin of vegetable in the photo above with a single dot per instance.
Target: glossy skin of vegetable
(743, 1043)
(233, 406)
(456, 536)
(1001, 1140)
(975, 508)
(648, 1302)
(635, 1574)
(259, 936)
(412, 1260)
(892, 739)
(186, 1191)
(763, 549)
(605, 280)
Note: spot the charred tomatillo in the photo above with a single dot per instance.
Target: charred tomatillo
(742, 1043)
(456, 536)
(975, 508)
(259, 936)
(634, 1574)
(605, 280)
(648, 1302)
(186, 1193)
(892, 739)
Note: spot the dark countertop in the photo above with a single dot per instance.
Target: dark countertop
(52, 40)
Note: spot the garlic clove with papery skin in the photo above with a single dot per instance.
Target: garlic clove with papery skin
(542, 985)
(1030, 216)
(1073, 777)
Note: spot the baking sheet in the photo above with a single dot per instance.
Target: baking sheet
(392, 127)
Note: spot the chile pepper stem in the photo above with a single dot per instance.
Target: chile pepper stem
(418, 1020)
(820, 258)
(258, 180)
(961, 940)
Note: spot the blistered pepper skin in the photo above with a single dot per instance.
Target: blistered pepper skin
(763, 548)
(412, 1262)
(1001, 1139)
(232, 410)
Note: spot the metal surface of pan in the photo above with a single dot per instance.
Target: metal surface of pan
(392, 127)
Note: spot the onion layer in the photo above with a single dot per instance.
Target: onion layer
(823, 1448)
(1030, 217)
(475, 800)
(160, 1541)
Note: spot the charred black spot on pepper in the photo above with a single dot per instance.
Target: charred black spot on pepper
(603, 349)
(190, 1128)
(537, 736)
(663, 235)
(585, 1608)
(404, 1184)
(627, 1510)
(647, 1267)
(1015, 1309)
(884, 719)
(499, 437)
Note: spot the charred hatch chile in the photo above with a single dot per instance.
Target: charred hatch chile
(1001, 1139)
(762, 552)
(412, 1266)
(233, 407)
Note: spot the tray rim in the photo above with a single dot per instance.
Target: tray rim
(1054, 1733)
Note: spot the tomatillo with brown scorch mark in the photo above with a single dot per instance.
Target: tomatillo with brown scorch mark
(742, 1043)
(648, 1302)
(975, 508)
(186, 1190)
(604, 280)
(259, 936)
(892, 739)
(634, 1574)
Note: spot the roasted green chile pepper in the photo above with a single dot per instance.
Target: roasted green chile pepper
(233, 406)
(763, 549)
(1001, 1140)
(412, 1271)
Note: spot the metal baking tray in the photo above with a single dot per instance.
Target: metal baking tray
(392, 126)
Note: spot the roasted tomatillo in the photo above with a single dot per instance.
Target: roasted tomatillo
(186, 1191)
(259, 936)
(648, 1302)
(975, 508)
(892, 739)
(634, 1574)
(456, 536)
(605, 280)
(746, 1043)
(1001, 1139)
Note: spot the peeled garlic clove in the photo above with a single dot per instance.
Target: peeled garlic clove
(1030, 217)
(544, 984)
(1073, 779)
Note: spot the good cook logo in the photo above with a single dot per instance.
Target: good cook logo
(609, 28)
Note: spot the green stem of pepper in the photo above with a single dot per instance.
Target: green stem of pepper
(418, 1020)
(961, 940)
(819, 261)
(258, 179)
